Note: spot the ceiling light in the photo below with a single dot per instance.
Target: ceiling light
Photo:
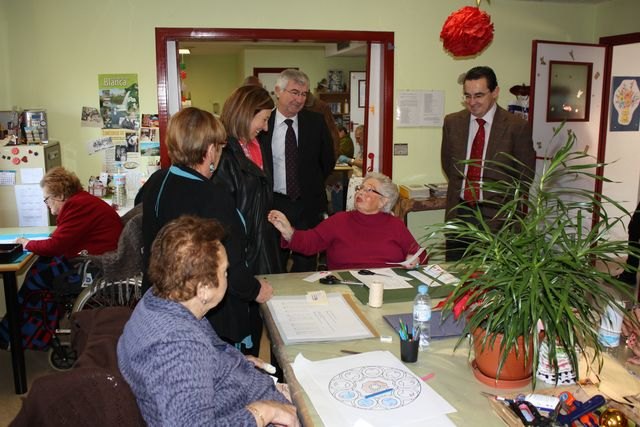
(184, 51)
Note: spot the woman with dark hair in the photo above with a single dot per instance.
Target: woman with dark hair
(195, 139)
(245, 114)
(84, 223)
(179, 370)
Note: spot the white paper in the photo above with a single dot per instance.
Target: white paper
(32, 212)
(386, 276)
(443, 276)
(8, 178)
(31, 175)
(420, 108)
(299, 321)
(316, 276)
(337, 388)
(408, 261)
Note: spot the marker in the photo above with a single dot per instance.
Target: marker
(428, 376)
(378, 393)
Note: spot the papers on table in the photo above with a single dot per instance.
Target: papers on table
(434, 275)
(11, 238)
(386, 276)
(299, 320)
(370, 389)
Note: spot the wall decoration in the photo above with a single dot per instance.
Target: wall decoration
(569, 91)
(625, 97)
(467, 31)
(119, 101)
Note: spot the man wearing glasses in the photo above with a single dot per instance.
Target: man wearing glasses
(480, 133)
(298, 156)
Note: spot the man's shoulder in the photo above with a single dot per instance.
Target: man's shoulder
(458, 115)
(310, 116)
(509, 119)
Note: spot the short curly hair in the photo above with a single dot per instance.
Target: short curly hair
(185, 253)
(61, 183)
(190, 133)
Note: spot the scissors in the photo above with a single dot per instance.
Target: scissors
(371, 273)
(333, 280)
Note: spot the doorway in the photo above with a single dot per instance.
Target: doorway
(378, 100)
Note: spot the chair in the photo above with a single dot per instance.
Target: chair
(354, 181)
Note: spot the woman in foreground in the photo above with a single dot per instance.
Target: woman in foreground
(178, 368)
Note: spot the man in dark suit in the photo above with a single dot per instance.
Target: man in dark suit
(482, 132)
(298, 156)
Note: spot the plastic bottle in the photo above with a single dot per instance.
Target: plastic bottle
(422, 316)
(119, 199)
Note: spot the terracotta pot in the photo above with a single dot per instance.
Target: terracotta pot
(514, 370)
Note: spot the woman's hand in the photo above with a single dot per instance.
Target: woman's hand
(280, 222)
(22, 241)
(266, 291)
(413, 264)
(271, 412)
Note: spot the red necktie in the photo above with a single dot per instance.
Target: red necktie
(291, 161)
(474, 169)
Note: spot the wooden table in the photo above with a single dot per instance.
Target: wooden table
(10, 273)
(404, 206)
(453, 378)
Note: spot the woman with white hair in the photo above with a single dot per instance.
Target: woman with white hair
(367, 237)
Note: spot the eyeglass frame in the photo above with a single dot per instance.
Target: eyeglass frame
(475, 96)
(46, 200)
(368, 190)
(296, 93)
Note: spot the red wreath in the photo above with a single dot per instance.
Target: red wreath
(467, 31)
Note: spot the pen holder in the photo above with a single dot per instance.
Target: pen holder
(409, 349)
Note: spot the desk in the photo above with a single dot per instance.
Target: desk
(9, 279)
(453, 378)
(403, 206)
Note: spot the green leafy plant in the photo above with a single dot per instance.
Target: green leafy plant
(539, 264)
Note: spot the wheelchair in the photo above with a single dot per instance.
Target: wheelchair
(107, 280)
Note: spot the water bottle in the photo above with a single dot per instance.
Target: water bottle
(119, 199)
(422, 316)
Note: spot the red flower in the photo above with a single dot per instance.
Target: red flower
(467, 31)
(183, 74)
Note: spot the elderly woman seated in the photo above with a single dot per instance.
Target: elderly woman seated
(178, 368)
(368, 236)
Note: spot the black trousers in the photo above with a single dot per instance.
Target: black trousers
(294, 211)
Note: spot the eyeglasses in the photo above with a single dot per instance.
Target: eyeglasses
(46, 199)
(297, 93)
(476, 96)
(369, 190)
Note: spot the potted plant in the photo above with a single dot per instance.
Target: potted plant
(539, 266)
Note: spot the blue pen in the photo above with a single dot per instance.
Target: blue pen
(378, 393)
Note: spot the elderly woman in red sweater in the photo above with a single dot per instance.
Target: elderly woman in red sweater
(369, 236)
(84, 223)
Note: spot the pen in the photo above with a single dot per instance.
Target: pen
(378, 393)
(349, 352)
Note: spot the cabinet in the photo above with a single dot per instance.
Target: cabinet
(339, 104)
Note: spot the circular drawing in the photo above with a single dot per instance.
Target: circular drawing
(375, 387)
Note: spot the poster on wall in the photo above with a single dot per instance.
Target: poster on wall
(625, 97)
(119, 101)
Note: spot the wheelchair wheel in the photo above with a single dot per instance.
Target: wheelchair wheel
(125, 293)
(62, 357)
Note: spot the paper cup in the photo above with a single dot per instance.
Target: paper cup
(610, 327)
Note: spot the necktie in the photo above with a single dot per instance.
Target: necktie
(291, 161)
(474, 169)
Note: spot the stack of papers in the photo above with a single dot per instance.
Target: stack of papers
(434, 275)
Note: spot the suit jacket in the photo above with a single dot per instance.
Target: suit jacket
(315, 160)
(509, 134)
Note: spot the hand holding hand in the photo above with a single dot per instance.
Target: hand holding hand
(281, 223)
(266, 291)
(344, 159)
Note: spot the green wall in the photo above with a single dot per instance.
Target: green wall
(211, 78)
(52, 52)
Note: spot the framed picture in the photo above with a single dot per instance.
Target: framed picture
(569, 91)
(362, 93)
(335, 81)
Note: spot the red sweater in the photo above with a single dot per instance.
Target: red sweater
(355, 240)
(84, 222)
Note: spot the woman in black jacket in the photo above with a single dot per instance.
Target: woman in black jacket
(195, 141)
(245, 114)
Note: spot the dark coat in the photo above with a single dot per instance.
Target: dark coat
(315, 160)
(253, 193)
(509, 134)
(194, 194)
